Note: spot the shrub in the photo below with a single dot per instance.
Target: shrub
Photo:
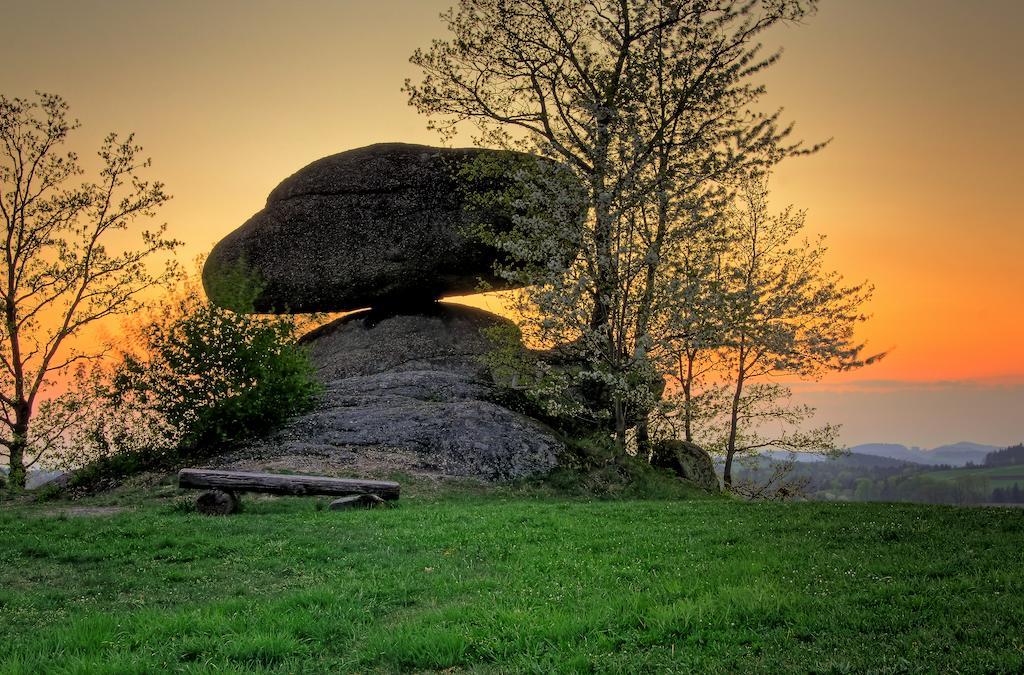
(215, 376)
(194, 378)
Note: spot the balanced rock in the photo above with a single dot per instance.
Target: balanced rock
(410, 393)
(384, 225)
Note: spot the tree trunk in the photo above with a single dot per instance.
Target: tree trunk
(17, 476)
(620, 423)
(604, 283)
(646, 309)
(687, 397)
(727, 471)
(643, 436)
(18, 446)
(604, 269)
(730, 447)
(22, 407)
(284, 484)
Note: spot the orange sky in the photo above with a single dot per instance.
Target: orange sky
(918, 191)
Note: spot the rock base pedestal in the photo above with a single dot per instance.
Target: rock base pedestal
(410, 393)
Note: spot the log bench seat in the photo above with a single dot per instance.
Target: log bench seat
(222, 487)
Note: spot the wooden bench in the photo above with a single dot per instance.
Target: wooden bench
(221, 488)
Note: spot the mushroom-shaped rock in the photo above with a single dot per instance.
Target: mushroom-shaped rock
(382, 226)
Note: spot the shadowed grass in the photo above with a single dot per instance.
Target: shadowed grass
(515, 584)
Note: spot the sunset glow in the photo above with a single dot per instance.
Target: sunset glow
(918, 192)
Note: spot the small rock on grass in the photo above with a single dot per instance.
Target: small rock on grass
(217, 503)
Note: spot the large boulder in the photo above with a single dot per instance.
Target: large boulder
(408, 392)
(688, 461)
(380, 226)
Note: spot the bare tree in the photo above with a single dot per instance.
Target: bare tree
(58, 274)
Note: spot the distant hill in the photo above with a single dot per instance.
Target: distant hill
(955, 454)
(962, 452)
(857, 459)
(892, 451)
(852, 459)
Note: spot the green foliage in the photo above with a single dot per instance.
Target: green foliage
(199, 378)
(234, 287)
(1008, 495)
(108, 467)
(507, 359)
(625, 478)
(592, 467)
(216, 376)
(530, 384)
(547, 206)
(514, 585)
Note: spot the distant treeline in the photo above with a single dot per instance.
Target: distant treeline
(1006, 457)
(1010, 495)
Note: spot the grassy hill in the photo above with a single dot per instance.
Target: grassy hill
(998, 476)
(511, 582)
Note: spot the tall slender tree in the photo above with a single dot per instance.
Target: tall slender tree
(779, 312)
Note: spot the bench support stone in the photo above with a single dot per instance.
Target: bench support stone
(217, 503)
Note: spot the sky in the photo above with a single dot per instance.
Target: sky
(918, 191)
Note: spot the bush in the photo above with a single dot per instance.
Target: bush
(216, 376)
(196, 378)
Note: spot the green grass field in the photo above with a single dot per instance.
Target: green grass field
(998, 476)
(514, 584)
